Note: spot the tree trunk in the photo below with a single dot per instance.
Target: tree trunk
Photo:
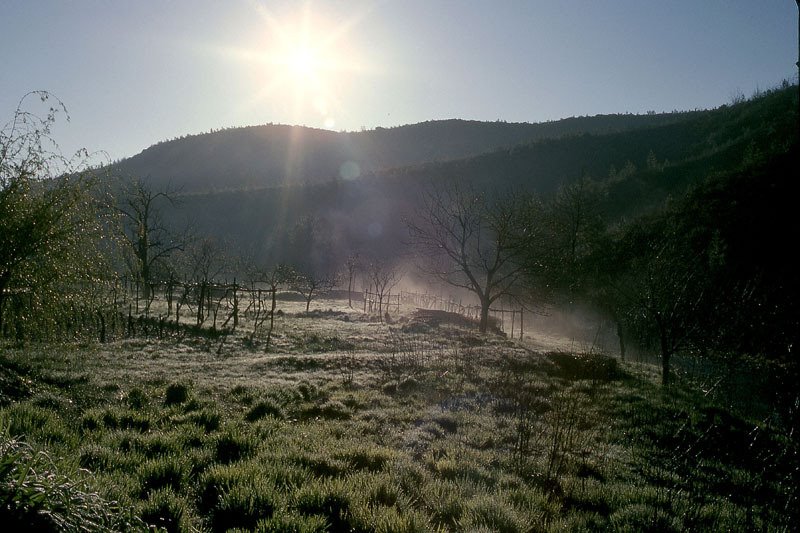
(666, 353)
(350, 292)
(484, 324)
(665, 369)
(271, 317)
(620, 336)
(170, 294)
(235, 305)
(621, 340)
(200, 302)
(2, 305)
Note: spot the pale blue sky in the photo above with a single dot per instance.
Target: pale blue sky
(133, 73)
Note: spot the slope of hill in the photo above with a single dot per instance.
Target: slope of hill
(269, 155)
(639, 168)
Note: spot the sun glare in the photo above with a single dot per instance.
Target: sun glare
(303, 59)
(303, 63)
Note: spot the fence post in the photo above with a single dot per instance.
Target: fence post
(235, 304)
(102, 326)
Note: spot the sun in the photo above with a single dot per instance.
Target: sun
(300, 63)
(304, 60)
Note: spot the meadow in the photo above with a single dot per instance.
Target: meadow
(348, 423)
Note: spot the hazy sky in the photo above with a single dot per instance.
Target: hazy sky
(133, 73)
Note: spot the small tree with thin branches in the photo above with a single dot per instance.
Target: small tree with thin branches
(149, 239)
(310, 283)
(383, 277)
(274, 277)
(352, 265)
(470, 240)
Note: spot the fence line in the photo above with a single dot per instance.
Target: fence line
(433, 301)
(373, 303)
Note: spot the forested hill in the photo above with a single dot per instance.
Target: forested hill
(650, 161)
(269, 155)
(638, 170)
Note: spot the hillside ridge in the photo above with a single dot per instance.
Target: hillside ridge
(277, 154)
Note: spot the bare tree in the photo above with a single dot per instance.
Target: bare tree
(383, 277)
(576, 224)
(149, 239)
(310, 282)
(660, 288)
(352, 265)
(207, 262)
(471, 241)
(274, 277)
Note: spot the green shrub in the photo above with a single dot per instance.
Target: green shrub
(52, 402)
(199, 460)
(116, 418)
(116, 451)
(320, 464)
(166, 511)
(216, 480)
(447, 422)
(15, 379)
(292, 523)
(409, 475)
(307, 390)
(408, 384)
(370, 457)
(38, 424)
(333, 409)
(244, 505)
(207, 419)
(242, 394)
(285, 395)
(159, 444)
(327, 498)
(193, 404)
(493, 513)
(445, 467)
(176, 394)
(96, 457)
(91, 420)
(136, 398)
(581, 521)
(264, 408)
(390, 520)
(643, 517)
(163, 472)
(234, 444)
(219, 480)
(444, 502)
(534, 503)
